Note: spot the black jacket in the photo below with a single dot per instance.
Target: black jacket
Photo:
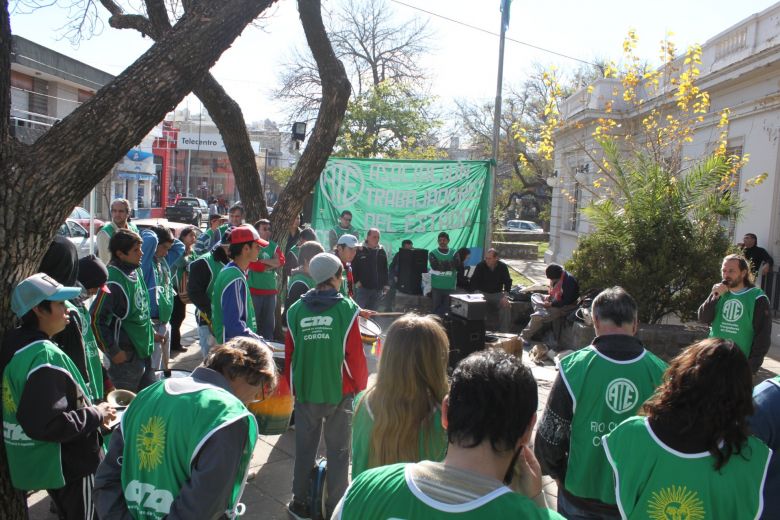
(370, 267)
(488, 280)
(52, 408)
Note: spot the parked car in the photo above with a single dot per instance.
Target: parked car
(81, 216)
(77, 234)
(523, 226)
(190, 210)
(176, 227)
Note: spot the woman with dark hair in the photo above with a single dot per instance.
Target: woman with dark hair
(185, 443)
(187, 236)
(692, 456)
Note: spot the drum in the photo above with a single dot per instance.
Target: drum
(369, 330)
(273, 413)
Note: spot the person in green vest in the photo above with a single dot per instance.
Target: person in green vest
(184, 444)
(120, 317)
(120, 219)
(738, 310)
(300, 281)
(343, 227)
(232, 312)
(489, 415)
(160, 252)
(402, 423)
(595, 390)
(325, 367)
(213, 234)
(93, 276)
(345, 250)
(291, 260)
(263, 280)
(203, 272)
(188, 236)
(61, 262)
(443, 274)
(690, 454)
(50, 426)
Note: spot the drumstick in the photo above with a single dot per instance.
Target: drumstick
(389, 314)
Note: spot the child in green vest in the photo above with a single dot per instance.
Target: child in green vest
(300, 281)
(691, 455)
(93, 276)
(184, 444)
(50, 426)
(263, 280)
(489, 415)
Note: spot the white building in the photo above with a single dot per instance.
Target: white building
(741, 71)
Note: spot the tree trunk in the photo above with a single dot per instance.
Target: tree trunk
(42, 182)
(333, 105)
(335, 96)
(229, 119)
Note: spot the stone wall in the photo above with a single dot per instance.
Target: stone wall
(517, 250)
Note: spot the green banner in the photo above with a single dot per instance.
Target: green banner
(405, 199)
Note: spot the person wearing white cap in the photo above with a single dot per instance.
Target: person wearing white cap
(325, 366)
(50, 427)
(346, 249)
(232, 312)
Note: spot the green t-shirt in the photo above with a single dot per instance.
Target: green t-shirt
(390, 492)
(34, 464)
(448, 280)
(164, 428)
(734, 317)
(655, 481)
(319, 342)
(136, 321)
(604, 392)
(432, 438)
(92, 354)
(227, 276)
(264, 280)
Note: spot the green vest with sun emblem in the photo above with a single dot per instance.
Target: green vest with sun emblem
(656, 482)
(136, 321)
(163, 430)
(34, 464)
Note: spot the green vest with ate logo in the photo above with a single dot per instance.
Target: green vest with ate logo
(319, 347)
(163, 432)
(604, 392)
(34, 464)
(136, 322)
(734, 317)
(444, 281)
(165, 290)
(655, 481)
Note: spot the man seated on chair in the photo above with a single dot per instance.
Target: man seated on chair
(564, 291)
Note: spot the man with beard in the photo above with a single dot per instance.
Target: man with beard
(120, 219)
(738, 310)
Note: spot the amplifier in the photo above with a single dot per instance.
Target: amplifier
(466, 336)
(468, 306)
(411, 264)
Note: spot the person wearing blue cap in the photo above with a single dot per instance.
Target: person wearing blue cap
(50, 426)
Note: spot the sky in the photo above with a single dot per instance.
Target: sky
(463, 62)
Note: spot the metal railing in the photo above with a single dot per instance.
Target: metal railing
(770, 284)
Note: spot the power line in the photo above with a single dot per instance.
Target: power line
(494, 34)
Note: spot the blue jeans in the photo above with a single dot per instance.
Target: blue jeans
(265, 307)
(367, 298)
(135, 374)
(441, 301)
(572, 512)
(162, 350)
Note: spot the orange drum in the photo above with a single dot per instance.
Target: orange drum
(369, 330)
(273, 414)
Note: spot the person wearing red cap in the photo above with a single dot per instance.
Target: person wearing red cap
(231, 307)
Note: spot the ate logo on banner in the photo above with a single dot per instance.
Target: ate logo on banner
(342, 183)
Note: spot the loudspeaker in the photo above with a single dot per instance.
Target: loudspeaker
(466, 336)
(412, 263)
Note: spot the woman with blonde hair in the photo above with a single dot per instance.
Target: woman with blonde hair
(187, 442)
(399, 418)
